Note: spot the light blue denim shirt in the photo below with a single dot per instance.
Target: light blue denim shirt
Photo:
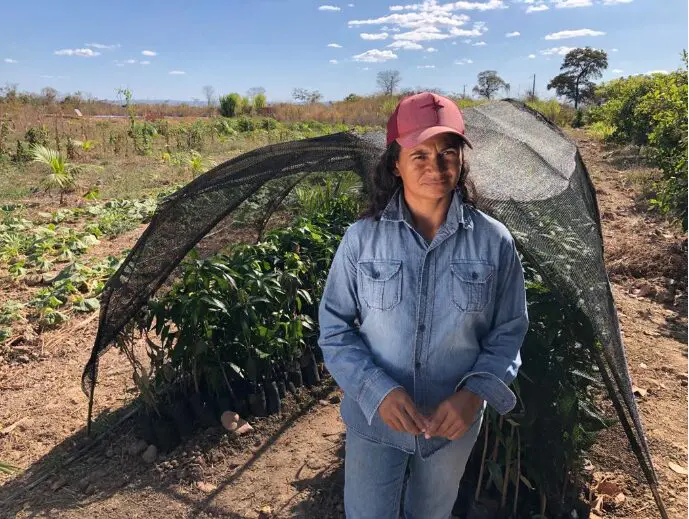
(398, 311)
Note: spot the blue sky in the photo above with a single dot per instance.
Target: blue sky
(171, 49)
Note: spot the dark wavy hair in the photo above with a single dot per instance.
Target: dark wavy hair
(382, 182)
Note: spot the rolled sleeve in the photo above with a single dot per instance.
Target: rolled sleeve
(499, 360)
(345, 354)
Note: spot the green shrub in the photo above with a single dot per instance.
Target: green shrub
(600, 130)
(260, 102)
(230, 105)
(651, 111)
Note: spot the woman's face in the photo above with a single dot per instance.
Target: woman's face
(430, 169)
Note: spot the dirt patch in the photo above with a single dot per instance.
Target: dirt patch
(292, 466)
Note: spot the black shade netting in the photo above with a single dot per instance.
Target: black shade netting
(526, 172)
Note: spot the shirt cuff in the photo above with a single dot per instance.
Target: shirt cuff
(492, 389)
(374, 390)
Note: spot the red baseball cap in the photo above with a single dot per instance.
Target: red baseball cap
(421, 116)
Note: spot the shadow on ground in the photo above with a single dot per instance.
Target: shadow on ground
(81, 472)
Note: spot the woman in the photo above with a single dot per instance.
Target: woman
(422, 319)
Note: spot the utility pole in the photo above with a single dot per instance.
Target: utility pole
(533, 90)
(464, 92)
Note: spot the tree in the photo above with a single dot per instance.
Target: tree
(260, 101)
(230, 105)
(489, 83)
(209, 92)
(255, 91)
(388, 81)
(306, 96)
(49, 94)
(579, 67)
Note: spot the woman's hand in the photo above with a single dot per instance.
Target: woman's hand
(454, 416)
(399, 413)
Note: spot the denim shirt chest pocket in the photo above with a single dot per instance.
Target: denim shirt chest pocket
(380, 283)
(472, 284)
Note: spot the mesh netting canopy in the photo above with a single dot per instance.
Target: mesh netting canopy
(526, 172)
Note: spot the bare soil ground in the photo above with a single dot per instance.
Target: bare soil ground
(291, 466)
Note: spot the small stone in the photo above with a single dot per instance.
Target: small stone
(638, 391)
(150, 454)
(335, 399)
(137, 447)
(229, 420)
(323, 402)
(24, 359)
(243, 427)
(206, 487)
(643, 366)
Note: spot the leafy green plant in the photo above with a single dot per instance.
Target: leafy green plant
(62, 175)
(230, 105)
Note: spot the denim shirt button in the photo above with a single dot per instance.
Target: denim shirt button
(422, 327)
(474, 275)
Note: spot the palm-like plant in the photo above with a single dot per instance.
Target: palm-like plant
(62, 174)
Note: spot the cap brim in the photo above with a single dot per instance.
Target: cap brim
(415, 138)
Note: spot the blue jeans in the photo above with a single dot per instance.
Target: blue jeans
(375, 473)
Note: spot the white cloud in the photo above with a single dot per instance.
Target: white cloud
(149, 53)
(102, 46)
(617, 71)
(568, 4)
(130, 61)
(333, 61)
(479, 44)
(329, 8)
(478, 30)
(10, 60)
(425, 66)
(563, 35)
(452, 6)
(513, 34)
(144, 62)
(84, 53)
(536, 8)
(431, 20)
(335, 45)
(375, 56)
(405, 45)
(532, 56)
(176, 72)
(560, 51)
(350, 5)
(431, 49)
(376, 36)
(614, 50)
(463, 61)
(615, 2)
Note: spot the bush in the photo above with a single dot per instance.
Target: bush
(651, 111)
(230, 105)
(260, 102)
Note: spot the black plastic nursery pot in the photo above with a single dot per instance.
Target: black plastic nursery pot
(282, 387)
(203, 410)
(167, 437)
(272, 398)
(294, 375)
(309, 369)
(144, 426)
(182, 416)
(257, 401)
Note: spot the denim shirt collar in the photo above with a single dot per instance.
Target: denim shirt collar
(397, 211)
